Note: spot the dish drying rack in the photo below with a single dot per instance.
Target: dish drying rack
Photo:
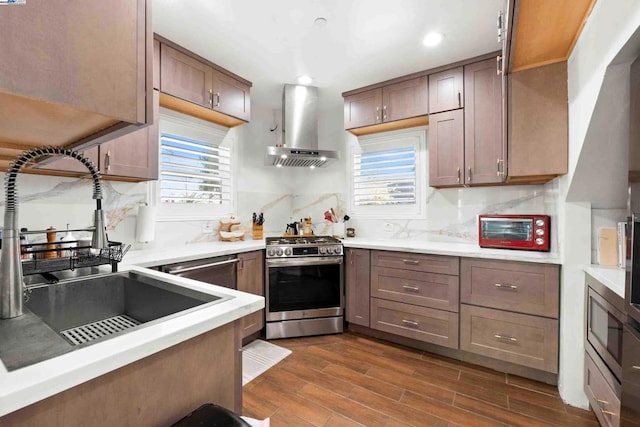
(48, 257)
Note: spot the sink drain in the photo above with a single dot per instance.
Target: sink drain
(101, 328)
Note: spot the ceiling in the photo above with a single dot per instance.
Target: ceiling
(363, 42)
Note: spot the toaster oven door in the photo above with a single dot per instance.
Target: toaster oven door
(506, 232)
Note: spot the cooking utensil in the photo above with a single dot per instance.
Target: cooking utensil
(328, 217)
(334, 216)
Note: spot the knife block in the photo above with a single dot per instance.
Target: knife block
(257, 232)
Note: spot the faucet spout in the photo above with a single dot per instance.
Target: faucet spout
(11, 281)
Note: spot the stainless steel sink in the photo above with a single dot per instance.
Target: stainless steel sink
(67, 315)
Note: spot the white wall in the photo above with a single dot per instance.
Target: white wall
(607, 29)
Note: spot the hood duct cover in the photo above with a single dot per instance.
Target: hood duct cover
(299, 131)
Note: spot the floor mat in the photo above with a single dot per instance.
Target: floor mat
(258, 356)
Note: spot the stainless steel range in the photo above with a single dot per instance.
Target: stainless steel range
(304, 286)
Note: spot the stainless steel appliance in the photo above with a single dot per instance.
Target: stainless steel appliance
(304, 286)
(528, 232)
(630, 398)
(221, 271)
(605, 319)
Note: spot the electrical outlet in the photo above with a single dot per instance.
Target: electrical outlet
(207, 229)
(388, 226)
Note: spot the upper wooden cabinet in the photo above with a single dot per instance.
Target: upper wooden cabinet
(187, 77)
(363, 109)
(390, 103)
(538, 124)
(446, 90)
(130, 157)
(446, 148)
(73, 74)
(484, 146)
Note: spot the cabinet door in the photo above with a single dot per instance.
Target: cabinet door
(446, 148)
(134, 155)
(484, 146)
(156, 64)
(251, 280)
(405, 100)
(185, 77)
(446, 90)
(84, 54)
(231, 96)
(538, 122)
(363, 109)
(357, 286)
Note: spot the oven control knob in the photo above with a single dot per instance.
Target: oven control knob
(271, 252)
(539, 241)
(539, 222)
(279, 252)
(338, 250)
(322, 250)
(287, 251)
(539, 232)
(329, 250)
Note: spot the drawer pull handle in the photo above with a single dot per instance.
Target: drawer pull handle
(411, 261)
(505, 338)
(410, 288)
(410, 322)
(613, 414)
(506, 287)
(602, 402)
(636, 367)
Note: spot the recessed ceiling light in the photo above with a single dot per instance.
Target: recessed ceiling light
(323, 159)
(278, 165)
(304, 80)
(283, 156)
(312, 167)
(433, 39)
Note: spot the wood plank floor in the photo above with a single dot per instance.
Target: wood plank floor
(352, 380)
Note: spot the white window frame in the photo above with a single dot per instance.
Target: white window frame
(416, 137)
(177, 123)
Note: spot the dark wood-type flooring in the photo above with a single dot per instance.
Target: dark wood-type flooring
(352, 380)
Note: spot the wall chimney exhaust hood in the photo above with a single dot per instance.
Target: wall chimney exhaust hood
(299, 131)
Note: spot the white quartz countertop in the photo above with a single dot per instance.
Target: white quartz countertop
(452, 249)
(172, 254)
(24, 386)
(612, 277)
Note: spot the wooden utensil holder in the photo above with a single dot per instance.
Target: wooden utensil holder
(257, 232)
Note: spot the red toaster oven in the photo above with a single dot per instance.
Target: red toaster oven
(527, 232)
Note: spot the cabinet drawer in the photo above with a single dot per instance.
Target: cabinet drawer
(433, 290)
(515, 286)
(416, 262)
(419, 323)
(603, 400)
(511, 337)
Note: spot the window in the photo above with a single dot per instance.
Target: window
(196, 168)
(387, 174)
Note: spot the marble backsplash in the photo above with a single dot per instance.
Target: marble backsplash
(451, 214)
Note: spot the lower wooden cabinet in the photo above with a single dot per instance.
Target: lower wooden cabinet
(523, 287)
(357, 286)
(603, 400)
(251, 279)
(432, 290)
(522, 339)
(415, 322)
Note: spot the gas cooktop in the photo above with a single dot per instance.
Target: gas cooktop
(301, 240)
(291, 247)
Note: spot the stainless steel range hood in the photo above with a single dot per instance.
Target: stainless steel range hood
(300, 131)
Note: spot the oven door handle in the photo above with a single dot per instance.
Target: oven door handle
(201, 266)
(287, 262)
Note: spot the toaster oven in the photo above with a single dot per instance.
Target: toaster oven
(527, 232)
